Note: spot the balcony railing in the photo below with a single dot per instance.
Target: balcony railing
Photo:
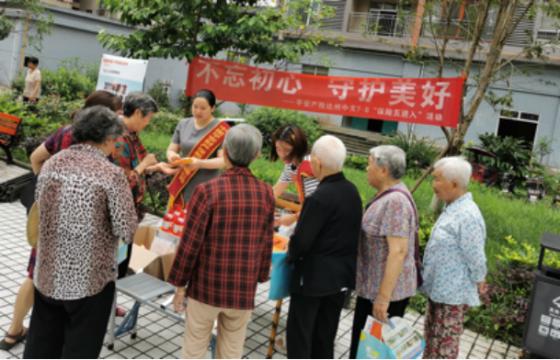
(550, 35)
(379, 23)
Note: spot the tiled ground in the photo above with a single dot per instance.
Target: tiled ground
(160, 337)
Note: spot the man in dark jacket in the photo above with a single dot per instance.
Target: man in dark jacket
(323, 250)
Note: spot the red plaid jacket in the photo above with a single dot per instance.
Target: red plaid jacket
(227, 244)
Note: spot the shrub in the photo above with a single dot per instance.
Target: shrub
(267, 120)
(163, 122)
(513, 156)
(159, 91)
(71, 81)
(506, 304)
(504, 310)
(358, 162)
(420, 152)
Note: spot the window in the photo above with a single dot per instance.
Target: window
(520, 125)
(314, 70)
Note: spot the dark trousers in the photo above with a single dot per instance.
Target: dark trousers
(69, 329)
(312, 325)
(364, 307)
(123, 267)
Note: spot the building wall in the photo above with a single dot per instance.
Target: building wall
(9, 54)
(74, 35)
(535, 92)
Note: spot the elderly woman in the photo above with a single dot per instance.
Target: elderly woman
(85, 207)
(56, 142)
(454, 259)
(386, 272)
(225, 250)
(131, 155)
(62, 138)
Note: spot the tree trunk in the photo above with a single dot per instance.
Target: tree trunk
(504, 26)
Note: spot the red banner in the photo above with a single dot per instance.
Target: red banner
(430, 101)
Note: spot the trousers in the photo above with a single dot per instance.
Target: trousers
(69, 328)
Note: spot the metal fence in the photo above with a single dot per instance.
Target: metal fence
(380, 23)
(384, 23)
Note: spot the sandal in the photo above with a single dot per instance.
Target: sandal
(6, 346)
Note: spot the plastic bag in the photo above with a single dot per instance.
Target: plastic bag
(394, 340)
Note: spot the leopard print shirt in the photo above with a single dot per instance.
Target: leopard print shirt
(85, 207)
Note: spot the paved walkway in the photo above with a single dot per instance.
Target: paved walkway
(160, 337)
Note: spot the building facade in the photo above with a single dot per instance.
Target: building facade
(375, 35)
(74, 35)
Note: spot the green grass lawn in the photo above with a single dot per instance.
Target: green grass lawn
(504, 215)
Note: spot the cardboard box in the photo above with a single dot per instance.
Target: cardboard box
(149, 262)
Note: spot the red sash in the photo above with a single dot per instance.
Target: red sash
(202, 150)
(304, 170)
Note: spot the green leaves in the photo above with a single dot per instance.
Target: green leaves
(33, 10)
(183, 29)
(268, 120)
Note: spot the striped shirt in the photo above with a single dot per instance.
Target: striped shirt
(290, 172)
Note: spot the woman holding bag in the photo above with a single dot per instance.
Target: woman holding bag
(386, 275)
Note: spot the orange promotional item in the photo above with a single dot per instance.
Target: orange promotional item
(375, 330)
(181, 162)
(280, 243)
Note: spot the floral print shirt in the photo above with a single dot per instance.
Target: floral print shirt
(85, 207)
(129, 152)
(390, 216)
(454, 259)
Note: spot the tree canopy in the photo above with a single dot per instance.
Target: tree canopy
(184, 29)
(482, 36)
(33, 10)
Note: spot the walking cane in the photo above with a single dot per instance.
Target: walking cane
(275, 322)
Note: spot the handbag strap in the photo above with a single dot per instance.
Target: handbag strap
(417, 260)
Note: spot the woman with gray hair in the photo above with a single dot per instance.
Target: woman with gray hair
(454, 259)
(386, 272)
(85, 208)
(131, 155)
(225, 250)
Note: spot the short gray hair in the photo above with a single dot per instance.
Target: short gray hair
(455, 168)
(243, 143)
(330, 151)
(139, 101)
(391, 157)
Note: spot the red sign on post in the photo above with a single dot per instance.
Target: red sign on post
(430, 101)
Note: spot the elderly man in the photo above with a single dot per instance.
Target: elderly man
(225, 250)
(323, 250)
(454, 259)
